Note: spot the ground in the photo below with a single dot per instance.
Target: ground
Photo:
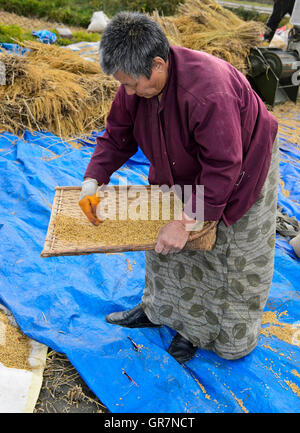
(64, 391)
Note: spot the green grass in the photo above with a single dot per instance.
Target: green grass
(14, 34)
(77, 37)
(70, 12)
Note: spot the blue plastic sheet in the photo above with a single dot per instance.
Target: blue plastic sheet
(45, 36)
(62, 301)
(12, 49)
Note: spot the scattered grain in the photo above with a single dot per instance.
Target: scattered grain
(16, 350)
(283, 331)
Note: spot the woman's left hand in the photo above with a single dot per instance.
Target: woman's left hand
(171, 238)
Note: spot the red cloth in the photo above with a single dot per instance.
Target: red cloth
(210, 129)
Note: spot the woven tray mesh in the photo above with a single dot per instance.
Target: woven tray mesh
(66, 204)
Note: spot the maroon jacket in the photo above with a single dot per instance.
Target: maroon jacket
(210, 128)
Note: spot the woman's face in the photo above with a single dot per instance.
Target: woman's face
(144, 87)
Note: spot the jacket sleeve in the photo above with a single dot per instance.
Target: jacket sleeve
(216, 126)
(117, 144)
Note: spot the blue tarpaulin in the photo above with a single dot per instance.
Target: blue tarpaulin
(12, 49)
(62, 301)
(45, 36)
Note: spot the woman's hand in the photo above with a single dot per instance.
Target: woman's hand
(88, 200)
(171, 238)
(89, 205)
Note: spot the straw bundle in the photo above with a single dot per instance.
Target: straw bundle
(54, 89)
(169, 27)
(60, 58)
(206, 26)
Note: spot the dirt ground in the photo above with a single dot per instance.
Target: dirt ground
(64, 391)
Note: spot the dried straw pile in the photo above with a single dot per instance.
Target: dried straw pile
(204, 25)
(54, 89)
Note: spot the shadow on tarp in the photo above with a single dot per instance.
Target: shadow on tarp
(62, 301)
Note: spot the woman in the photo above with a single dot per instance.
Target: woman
(199, 122)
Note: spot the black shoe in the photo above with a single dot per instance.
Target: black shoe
(181, 349)
(135, 318)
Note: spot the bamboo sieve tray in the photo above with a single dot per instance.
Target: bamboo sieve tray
(66, 203)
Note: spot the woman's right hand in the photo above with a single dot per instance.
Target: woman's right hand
(88, 200)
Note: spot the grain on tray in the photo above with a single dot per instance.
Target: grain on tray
(110, 232)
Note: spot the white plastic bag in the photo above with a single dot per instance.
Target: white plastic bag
(280, 39)
(98, 22)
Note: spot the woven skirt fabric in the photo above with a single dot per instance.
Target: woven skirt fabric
(215, 298)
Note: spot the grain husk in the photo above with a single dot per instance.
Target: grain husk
(286, 332)
(107, 233)
(16, 348)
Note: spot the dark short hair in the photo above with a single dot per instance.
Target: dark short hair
(129, 44)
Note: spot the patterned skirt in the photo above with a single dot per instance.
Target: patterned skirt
(215, 299)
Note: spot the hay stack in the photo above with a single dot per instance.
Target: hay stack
(206, 26)
(54, 89)
(60, 58)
